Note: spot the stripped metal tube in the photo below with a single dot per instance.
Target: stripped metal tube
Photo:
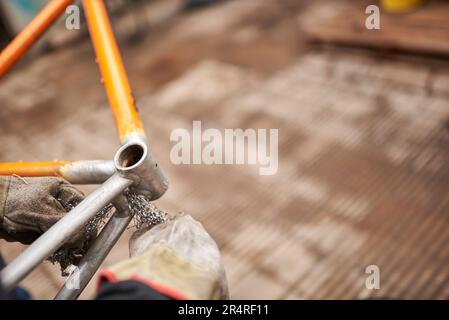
(76, 172)
(88, 172)
(98, 251)
(135, 162)
(136, 169)
(60, 232)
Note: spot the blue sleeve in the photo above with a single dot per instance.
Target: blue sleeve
(17, 294)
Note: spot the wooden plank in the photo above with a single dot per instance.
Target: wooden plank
(425, 30)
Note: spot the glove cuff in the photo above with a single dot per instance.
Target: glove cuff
(162, 268)
(111, 277)
(4, 187)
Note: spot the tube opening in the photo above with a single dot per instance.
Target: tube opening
(130, 156)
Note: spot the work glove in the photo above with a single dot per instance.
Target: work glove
(178, 259)
(30, 206)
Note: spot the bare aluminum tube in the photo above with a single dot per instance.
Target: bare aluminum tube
(76, 172)
(88, 172)
(98, 251)
(135, 162)
(51, 240)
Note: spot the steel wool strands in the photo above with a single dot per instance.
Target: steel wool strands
(145, 214)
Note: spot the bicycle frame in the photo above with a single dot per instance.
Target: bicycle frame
(133, 165)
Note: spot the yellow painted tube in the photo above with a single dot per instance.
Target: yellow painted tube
(396, 6)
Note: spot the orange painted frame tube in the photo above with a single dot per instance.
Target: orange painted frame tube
(32, 32)
(32, 169)
(115, 80)
(113, 72)
(78, 172)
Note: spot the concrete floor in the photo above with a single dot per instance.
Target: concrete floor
(362, 149)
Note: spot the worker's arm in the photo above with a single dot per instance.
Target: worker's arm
(30, 206)
(176, 260)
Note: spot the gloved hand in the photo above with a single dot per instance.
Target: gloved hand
(30, 206)
(177, 258)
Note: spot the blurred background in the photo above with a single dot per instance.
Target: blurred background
(363, 119)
